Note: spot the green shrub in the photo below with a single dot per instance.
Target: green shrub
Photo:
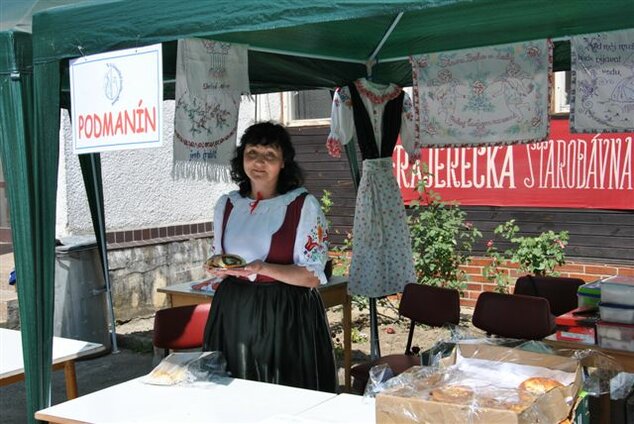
(442, 240)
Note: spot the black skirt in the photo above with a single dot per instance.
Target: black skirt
(272, 332)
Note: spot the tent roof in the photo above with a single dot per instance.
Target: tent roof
(16, 15)
(347, 31)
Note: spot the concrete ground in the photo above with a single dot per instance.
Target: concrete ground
(92, 375)
(134, 359)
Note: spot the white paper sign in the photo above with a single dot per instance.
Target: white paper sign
(116, 100)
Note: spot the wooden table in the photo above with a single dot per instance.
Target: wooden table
(334, 293)
(228, 401)
(65, 351)
(624, 358)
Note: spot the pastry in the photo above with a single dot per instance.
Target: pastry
(173, 375)
(537, 386)
(226, 261)
(506, 404)
(453, 394)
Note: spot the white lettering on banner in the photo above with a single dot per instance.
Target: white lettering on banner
(600, 163)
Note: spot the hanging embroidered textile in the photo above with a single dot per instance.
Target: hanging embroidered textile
(602, 86)
(488, 95)
(211, 77)
(382, 261)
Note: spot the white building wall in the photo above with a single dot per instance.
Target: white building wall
(140, 190)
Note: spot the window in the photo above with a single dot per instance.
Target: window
(561, 93)
(308, 107)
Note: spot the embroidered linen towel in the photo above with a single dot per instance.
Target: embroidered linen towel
(602, 86)
(488, 95)
(211, 77)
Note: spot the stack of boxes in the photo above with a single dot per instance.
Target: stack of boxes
(615, 330)
(579, 325)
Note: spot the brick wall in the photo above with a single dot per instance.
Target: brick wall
(575, 269)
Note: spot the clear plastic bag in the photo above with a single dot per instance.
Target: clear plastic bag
(187, 368)
(480, 382)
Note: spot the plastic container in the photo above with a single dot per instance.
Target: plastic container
(589, 294)
(618, 289)
(616, 336)
(80, 292)
(612, 312)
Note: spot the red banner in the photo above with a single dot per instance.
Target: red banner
(566, 171)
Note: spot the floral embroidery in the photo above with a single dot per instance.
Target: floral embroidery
(344, 96)
(316, 245)
(378, 98)
(334, 147)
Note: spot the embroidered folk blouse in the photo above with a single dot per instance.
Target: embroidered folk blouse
(252, 224)
(374, 98)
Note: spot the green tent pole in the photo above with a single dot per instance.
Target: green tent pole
(91, 172)
(18, 151)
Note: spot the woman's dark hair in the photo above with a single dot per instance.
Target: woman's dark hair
(268, 134)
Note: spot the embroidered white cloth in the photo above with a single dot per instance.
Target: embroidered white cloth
(382, 260)
(374, 97)
(487, 95)
(602, 86)
(211, 77)
(251, 226)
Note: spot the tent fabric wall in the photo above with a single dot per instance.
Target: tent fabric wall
(338, 36)
(29, 171)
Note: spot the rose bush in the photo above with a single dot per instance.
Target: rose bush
(536, 255)
(442, 240)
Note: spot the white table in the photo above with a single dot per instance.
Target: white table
(334, 293)
(236, 401)
(342, 409)
(65, 351)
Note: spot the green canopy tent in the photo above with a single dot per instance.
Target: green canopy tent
(293, 45)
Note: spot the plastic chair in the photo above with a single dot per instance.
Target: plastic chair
(561, 292)
(181, 327)
(422, 304)
(513, 316)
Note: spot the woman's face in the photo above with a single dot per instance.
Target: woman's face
(263, 164)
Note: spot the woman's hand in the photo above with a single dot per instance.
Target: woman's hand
(214, 271)
(252, 268)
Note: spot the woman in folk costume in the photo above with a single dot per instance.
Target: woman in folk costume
(382, 260)
(268, 317)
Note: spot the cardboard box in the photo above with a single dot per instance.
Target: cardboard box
(401, 405)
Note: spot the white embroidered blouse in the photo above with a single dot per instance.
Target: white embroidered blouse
(251, 226)
(374, 97)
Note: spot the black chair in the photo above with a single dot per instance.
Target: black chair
(513, 316)
(422, 304)
(561, 292)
